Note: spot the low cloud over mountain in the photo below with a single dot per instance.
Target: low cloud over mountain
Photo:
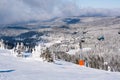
(12, 11)
(24, 10)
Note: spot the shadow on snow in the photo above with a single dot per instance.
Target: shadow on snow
(6, 71)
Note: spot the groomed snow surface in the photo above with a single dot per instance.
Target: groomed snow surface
(14, 68)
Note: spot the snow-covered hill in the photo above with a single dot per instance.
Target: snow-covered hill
(13, 68)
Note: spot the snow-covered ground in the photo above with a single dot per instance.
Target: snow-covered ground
(14, 68)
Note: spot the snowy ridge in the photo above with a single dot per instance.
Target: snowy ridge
(13, 68)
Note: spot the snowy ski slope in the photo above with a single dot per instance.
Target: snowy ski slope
(14, 68)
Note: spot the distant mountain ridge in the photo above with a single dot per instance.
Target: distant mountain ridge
(32, 32)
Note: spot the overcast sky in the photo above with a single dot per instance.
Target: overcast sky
(25, 10)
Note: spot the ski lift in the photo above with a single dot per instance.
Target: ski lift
(82, 40)
(84, 32)
(101, 38)
(119, 32)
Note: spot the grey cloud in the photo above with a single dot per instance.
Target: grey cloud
(24, 10)
(100, 12)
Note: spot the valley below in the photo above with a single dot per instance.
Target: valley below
(93, 39)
